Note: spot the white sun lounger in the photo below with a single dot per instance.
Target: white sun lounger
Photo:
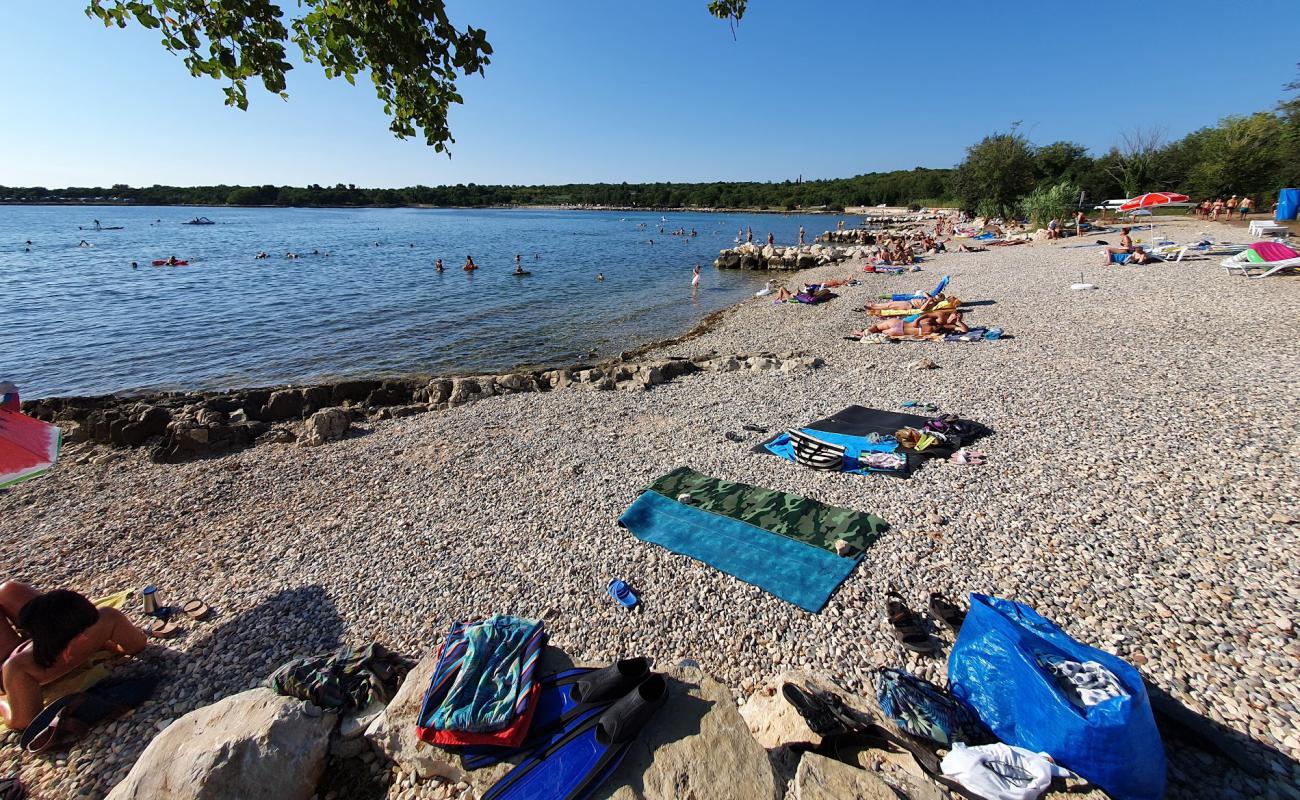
(1238, 263)
(1262, 227)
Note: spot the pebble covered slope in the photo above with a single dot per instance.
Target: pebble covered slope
(1139, 489)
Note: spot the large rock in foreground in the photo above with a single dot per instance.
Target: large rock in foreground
(821, 778)
(253, 745)
(696, 746)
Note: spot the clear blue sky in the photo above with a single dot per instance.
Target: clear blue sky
(602, 90)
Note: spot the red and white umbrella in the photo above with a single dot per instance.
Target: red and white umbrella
(1152, 199)
(28, 447)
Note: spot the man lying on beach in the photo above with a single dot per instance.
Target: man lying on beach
(65, 630)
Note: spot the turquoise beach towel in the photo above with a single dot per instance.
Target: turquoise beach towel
(488, 684)
(796, 572)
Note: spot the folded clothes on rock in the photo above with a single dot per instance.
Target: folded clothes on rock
(345, 679)
(482, 686)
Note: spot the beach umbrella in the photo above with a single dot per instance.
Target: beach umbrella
(28, 447)
(1152, 199)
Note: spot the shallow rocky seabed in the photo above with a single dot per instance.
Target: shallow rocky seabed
(1145, 437)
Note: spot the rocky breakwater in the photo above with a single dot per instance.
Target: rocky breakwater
(178, 427)
(769, 257)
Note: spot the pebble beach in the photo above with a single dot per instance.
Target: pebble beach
(1140, 491)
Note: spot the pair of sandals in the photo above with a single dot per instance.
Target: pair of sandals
(844, 729)
(906, 624)
(967, 457)
(165, 627)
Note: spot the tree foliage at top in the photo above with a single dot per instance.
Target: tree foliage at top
(411, 51)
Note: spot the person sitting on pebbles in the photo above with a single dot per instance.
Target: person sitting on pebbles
(64, 630)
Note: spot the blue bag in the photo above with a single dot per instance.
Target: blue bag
(996, 668)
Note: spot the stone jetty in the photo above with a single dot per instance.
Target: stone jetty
(769, 257)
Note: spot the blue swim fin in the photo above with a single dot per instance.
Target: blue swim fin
(573, 764)
(565, 700)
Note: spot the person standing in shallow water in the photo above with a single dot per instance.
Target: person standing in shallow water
(695, 276)
(800, 234)
(749, 235)
(771, 240)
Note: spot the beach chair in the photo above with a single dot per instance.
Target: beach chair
(1263, 227)
(1240, 264)
(1169, 252)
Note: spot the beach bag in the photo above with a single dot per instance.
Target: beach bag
(1000, 668)
(921, 709)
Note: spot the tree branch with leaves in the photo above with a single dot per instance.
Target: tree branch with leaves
(412, 52)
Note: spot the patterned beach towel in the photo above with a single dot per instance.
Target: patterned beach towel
(787, 515)
(484, 677)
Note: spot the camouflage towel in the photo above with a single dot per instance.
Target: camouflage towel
(344, 679)
(788, 515)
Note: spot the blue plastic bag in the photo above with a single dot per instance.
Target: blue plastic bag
(995, 668)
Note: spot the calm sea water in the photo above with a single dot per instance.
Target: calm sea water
(80, 320)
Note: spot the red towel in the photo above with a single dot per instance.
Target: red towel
(511, 736)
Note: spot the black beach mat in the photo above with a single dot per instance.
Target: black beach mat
(862, 421)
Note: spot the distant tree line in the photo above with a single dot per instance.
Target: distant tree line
(892, 188)
(1003, 174)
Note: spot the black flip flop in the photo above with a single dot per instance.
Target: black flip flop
(907, 625)
(819, 715)
(947, 613)
(11, 788)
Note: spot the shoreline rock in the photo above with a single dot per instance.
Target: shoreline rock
(178, 427)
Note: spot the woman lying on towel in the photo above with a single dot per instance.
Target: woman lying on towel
(930, 324)
(65, 630)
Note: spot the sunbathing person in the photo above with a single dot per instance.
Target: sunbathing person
(898, 328)
(929, 324)
(1120, 255)
(922, 302)
(65, 630)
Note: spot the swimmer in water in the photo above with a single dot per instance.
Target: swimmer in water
(438, 265)
(519, 264)
(600, 276)
(134, 265)
(470, 266)
(84, 243)
(695, 277)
